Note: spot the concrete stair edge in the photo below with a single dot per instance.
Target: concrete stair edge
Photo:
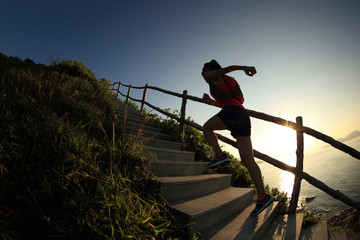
(143, 127)
(285, 226)
(158, 143)
(172, 155)
(317, 231)
(136, 118)
(163, 168)
(242, 225)
(185, 188)
(338, 235)
(211, 209)
(146, 133)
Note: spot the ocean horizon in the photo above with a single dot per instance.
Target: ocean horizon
(333, 167)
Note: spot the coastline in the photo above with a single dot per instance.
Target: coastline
(348, 219)
(334, 168)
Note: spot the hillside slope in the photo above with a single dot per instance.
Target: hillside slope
(66, 171)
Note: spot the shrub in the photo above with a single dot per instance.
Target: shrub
(240, 174)
(73, 68)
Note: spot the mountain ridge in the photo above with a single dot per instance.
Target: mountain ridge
(351, 136)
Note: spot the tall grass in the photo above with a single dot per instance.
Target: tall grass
(66, 171)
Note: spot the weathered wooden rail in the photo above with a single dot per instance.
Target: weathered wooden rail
(297, 126)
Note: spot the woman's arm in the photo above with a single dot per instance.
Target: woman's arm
(250, 71)
(208, 99)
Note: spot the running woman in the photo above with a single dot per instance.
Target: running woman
(233, 116)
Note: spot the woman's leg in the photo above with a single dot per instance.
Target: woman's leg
(214, 123)
(247, 158)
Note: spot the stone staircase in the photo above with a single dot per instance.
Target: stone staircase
(216, 209)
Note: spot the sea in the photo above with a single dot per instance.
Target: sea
(333, 167)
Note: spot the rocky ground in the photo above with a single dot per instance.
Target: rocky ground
(347, 219)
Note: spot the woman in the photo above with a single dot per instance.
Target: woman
(233, 116)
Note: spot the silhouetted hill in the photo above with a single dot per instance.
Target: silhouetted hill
(351, 136)
(66, 168)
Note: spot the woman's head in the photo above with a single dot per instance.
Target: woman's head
(212, 65)
(209, 66)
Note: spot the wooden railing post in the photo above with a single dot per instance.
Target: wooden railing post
(299, 166)
(128, 94)
(143, 98)
(118, 89)
(182, 118)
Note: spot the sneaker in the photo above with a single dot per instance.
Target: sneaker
(262, 204)
(218, 161)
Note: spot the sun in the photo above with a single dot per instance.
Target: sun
(281, 143)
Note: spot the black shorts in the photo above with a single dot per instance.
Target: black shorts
(236, 119)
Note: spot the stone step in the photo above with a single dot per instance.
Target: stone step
(184, 188)
(172, 155)
(134, 117)
(141, 122)
(284, 227)
(146, 134)
(338, 235)
(162, 144)
(316, 231)
(212, 209)
(142, 126)
(162, 168)
(121, 108)
(243, 226)
(355, 237)
(131, 114)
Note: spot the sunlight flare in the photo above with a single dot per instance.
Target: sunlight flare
(278, 142)
(287, 182)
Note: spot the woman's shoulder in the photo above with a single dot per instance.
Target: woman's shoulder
(229, 79)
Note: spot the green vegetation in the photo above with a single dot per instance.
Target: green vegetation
(66, 169)
(310, 217)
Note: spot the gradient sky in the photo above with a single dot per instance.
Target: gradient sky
(307, 53)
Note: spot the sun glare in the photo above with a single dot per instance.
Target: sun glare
(281, 143)
(286, 182)
(283, 148)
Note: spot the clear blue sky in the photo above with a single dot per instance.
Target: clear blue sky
(307, 53)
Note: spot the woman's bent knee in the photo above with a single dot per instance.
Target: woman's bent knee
(207, 127)
(214, 123)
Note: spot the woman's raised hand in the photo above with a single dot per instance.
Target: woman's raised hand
(250, 71)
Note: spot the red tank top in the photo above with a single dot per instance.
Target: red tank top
(225, 87)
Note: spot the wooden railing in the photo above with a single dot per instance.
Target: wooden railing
(297, 126)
